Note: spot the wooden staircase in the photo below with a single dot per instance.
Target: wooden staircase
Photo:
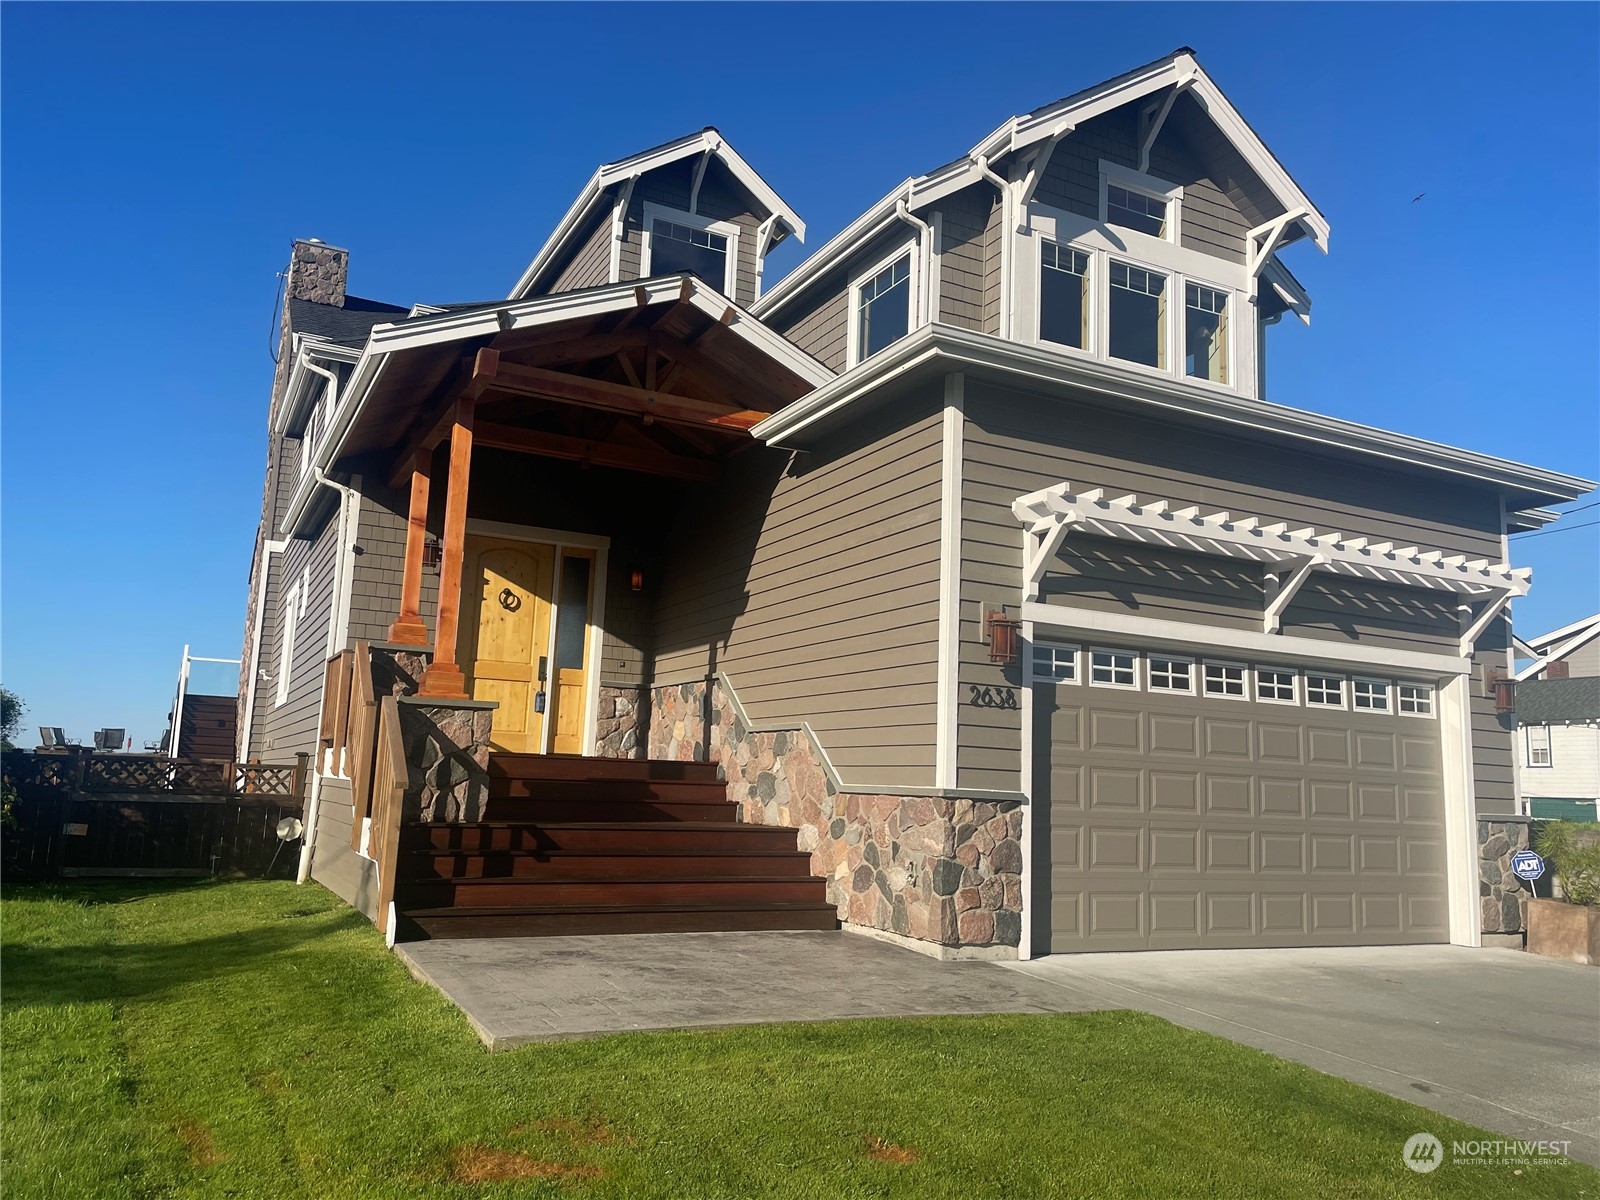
(573, 845)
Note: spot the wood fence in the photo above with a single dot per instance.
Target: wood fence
(361, 739)
(82, 814)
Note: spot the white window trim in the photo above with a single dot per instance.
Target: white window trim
(1527, 748)
(1097, 270)
(1231, 357)
(1149, 185)
(1433, 701)
(853, 338)
(292, 605)
(1150, 660)
(1059, 650)
(1089, 678)
(1294, 684)
(1245, 680)
(1344, 690)
(1388, 696)
(693, 221)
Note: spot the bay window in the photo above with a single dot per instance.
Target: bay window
(1138, 315)
(1064, 296)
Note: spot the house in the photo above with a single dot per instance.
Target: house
(1557, 699)
(971, 556)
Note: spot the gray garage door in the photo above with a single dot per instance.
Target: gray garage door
(1185, 821)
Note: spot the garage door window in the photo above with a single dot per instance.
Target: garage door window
(1113, 668)
(1416, 699)
(1325, 691)
(1055, 662)
(1276, 687)
(1369, 695)
(1225, 679)
(1171, 675)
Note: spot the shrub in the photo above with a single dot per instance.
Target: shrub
(1572, 848)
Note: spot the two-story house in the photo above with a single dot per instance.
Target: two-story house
(1557, 699)
(972, 552)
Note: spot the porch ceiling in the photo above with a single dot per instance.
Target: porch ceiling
(649, 381)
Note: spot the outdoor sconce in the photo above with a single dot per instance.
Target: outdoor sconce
(431, 552)
(637, 580)
(1003, 633)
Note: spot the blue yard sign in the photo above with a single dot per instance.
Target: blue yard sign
(1525, 864)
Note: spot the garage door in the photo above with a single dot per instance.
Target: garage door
(1211, 817)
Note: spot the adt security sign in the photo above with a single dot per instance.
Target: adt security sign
(1525, 864)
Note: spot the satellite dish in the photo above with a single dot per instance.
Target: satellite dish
(290, 828)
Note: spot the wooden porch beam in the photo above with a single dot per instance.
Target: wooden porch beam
(432, 428)
(444, 678)
(612, 397)
(599, 454)
(408, 628)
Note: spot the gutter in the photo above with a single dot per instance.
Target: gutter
(963, 349)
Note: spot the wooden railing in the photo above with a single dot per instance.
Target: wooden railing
(361, 739)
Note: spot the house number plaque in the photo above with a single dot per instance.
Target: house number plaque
(993, 697)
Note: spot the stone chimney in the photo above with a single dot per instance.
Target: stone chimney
(317, 273)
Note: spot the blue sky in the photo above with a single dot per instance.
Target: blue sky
(158, 160)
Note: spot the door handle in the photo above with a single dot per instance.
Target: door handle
(509, 600)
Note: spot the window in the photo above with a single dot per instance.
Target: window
(1171, 674)
(1205, 333)
(1416, 699)
(1137, 211)
(1064, 298)
(1113, 668)
(291, 618)
(1225, 679)
(1325, 691)
(1274, 686)
(1055, 662)
(1369, 695)
(1138, 313)
(1538, 742)
(883, 308)
(675, 248)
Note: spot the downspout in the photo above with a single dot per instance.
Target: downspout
(341, 556)
(924, 258)
(988, 172)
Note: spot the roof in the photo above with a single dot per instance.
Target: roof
(349, 324)
(1589, 625)
(1559, 643)
(706, 141)
(1557, 701)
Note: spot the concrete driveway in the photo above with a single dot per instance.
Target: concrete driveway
(1503, 1039)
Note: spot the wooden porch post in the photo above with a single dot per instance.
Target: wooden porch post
(444, 678)
(408, 628)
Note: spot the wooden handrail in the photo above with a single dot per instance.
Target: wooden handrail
(361, 733)
(389, 778)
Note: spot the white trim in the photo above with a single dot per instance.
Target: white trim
(268, 549)
(619, 229)
(1432, 699)
(1150, 660)
(1245, 680)
(1033, 365)
(1294, 686)
(1136, 661)
(1074, 654)
(1344, 690)
(1527, 748)
(907, 250)
(1025, 784)
(948, 700)
(1148, 185)
(1268, 647)
(1368, 681)
(725, 229)
(1460, 809)
(289, 611)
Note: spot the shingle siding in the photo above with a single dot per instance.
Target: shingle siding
(720, 199)
(964, 220)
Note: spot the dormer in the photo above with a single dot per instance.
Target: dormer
(692, 205)
(1136, 224)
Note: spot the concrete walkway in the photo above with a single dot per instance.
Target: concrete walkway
(518, 990)
(1503, 1039)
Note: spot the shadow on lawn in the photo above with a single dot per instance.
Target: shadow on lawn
(76, 974)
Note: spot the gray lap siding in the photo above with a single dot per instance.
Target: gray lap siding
(1017, 442)
(814, 586)
(292, 727)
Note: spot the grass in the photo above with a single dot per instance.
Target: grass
(255, 1039)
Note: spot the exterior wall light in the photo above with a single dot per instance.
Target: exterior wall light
(1004, 634)
(637, 580)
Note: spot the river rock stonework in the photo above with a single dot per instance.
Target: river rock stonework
(942, 871)
(447, 753)
(1501, 895)
(622, 729)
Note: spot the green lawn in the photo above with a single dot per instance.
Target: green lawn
(255, 1039)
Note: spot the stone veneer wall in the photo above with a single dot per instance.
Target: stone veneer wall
(947, 872)
(1502, 896)
(446, 742)
(622, 729)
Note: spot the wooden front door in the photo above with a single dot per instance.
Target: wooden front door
(507, 587)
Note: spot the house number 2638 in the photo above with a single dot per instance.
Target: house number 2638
(993, 697)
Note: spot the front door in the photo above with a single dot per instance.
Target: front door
(508, 587)
(529, 607)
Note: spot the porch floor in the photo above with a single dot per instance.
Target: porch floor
(518, 990)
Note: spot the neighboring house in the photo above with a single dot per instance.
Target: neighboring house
(972, 549)
(1557, 699)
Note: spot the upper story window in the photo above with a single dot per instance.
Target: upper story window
(1205, 333)
(1138, 315)
(1138, 211)
(881, 300)
(1538, 742)
(678, 242)
(1064, 297)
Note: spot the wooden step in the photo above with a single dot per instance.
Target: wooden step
(574, 766)
(739, 890)
(562, 865)
(597, 837)
(544, 921)
(595, 809)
